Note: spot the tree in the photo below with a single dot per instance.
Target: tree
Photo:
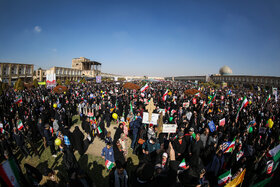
(19, 85)
(67, 82)
(121, 79)
(83, 81)
(1, 88)
(58, 82)
(35, 83)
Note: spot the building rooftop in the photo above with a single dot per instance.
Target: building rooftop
(15, 63)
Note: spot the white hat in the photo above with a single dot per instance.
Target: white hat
(165, 155)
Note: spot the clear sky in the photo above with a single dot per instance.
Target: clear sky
(144, 37)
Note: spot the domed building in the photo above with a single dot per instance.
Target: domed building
(225, 70)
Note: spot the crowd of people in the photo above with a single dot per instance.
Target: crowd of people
(221, 133)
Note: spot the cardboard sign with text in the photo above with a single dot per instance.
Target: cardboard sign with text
(154, 118)
(169, 128)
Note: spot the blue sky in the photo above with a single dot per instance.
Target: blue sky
(144, 37)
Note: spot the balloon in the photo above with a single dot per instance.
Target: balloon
(170, 119)
(250, 129)
(250, 102)
(115, 116)
(270, 123)
(101, 91)
(55, 105)
(64, 92)
(102, 96)
(57, 141)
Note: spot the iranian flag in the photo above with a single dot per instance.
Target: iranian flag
(165, 95)
(224, 178)
(222, 122)
(230, 147)
(99, 130)
(144, 88)
(183, 164)
(109, 165)
(239, 155)
(10, 173)
(212, 98)
(2, 130)
(20, 125)
(18, 99)
(243, 105)
(268, 98)
(197, 94)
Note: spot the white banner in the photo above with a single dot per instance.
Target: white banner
(153, 119)
(169, 128)
(51, 80)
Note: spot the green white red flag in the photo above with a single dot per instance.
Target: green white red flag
(109, 165)
(183, 164)
(268, 98)
(244, 103)
(18, 99)
(239, 155)
(99, 130)
(211, 98)
(224, 178)
(20, 125)
(165, 95)
(144, 88)
(10, 173)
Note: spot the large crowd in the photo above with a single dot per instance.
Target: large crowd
(223, 135)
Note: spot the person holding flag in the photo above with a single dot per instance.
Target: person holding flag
(19, 139)
(108, 155)
(244, 103)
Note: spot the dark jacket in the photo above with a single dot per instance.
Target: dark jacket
(179, 148)
(48, 136)
(196, 148)
(118, 154)
(19, 139)
(69, 160)
(86, 126)
(78, 140)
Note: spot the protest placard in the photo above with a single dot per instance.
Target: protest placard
(153, 119)
(169, 128)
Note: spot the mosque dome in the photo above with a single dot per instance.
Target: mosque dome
(225, 70)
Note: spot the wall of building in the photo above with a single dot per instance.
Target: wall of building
(248, 80)
(11, 72)
(187, 78)
(65, 73)
(77, 63)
